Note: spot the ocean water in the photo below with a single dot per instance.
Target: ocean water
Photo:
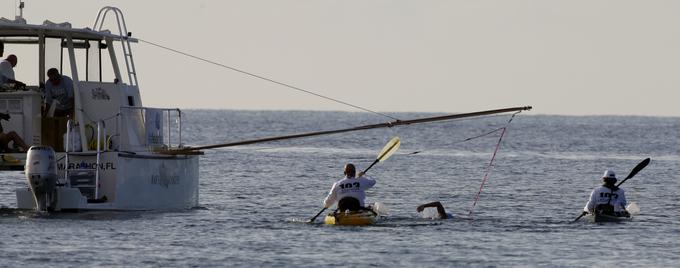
(254, 199)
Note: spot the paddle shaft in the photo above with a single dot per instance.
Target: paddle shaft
(632, 173)
(317, 215)
(369, 167)
(580, 216)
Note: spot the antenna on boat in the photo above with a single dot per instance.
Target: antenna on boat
(21, 10)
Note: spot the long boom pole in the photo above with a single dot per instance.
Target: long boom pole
(364, 127)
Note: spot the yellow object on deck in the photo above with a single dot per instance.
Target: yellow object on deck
(356, 218)
(8, 159)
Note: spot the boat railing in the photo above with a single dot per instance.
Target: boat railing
(138, 129)
(125, 39)
(148, 129)
(133, 129)
(85, 178)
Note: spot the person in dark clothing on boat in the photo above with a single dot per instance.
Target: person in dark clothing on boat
(60, 88)
(12, 136)
(441, 212)
(349, 192)
(607, 199)
(6, 138)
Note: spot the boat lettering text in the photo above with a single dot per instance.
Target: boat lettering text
(100, 94)
(85, 165)
(164, 181)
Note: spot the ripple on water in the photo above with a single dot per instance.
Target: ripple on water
(255, 200)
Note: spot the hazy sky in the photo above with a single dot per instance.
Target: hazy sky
(561, 56)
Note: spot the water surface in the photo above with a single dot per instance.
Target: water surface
(253, 199)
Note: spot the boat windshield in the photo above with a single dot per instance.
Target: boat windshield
(92, 58)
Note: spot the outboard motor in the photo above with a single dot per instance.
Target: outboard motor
(41, 172)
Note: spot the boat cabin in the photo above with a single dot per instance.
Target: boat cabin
(106, 92)
(108, 152)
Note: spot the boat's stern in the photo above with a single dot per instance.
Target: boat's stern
(66, 198)
(41, 173)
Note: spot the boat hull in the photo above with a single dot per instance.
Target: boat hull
(353, 218)
(127, 181)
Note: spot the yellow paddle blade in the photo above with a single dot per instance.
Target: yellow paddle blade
(389, 149)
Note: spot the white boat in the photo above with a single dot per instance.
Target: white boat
(119, 155)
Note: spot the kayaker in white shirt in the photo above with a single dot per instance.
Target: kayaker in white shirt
(7, 71)
(607, 199)
(349, 192)
(7, 66)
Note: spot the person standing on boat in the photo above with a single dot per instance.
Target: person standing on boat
(7, 66)
(60, 88)
(3, 80)
(607, 199)
(349, 192)
(7, 71)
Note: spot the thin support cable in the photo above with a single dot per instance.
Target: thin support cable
(266, 79)
(488, 170)
(478, 136)
(491, 162)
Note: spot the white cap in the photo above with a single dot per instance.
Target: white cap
(609, 174)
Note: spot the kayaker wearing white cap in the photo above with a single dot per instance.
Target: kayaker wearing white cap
(607, 199)
(350, 191)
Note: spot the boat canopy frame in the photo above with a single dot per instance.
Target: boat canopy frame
(60, 46)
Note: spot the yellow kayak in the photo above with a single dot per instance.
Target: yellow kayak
(356, 218)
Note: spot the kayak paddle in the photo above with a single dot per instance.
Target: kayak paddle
(632, 173)
(635, 170)
(386, 152)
